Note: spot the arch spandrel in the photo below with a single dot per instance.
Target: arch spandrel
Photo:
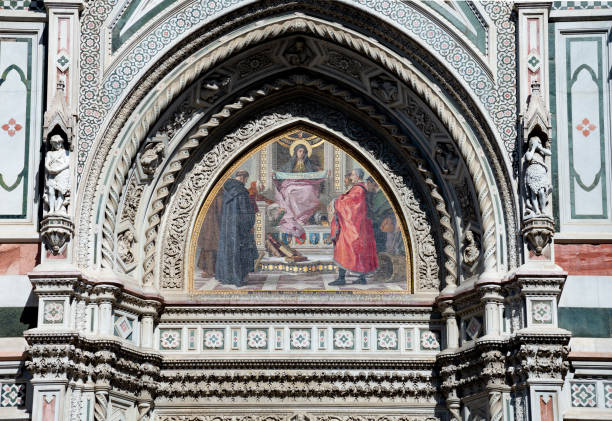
(292, 236)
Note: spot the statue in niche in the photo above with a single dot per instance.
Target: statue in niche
(57, 176)
(536, 177)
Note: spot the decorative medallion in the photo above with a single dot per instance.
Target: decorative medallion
(257, 338)
(541, 312)
(11, 127)
(53, 312)
(214, 338)
(584, 395)
(170, 339)
(387, 339)
(430, 341)
(344, 339)
(300, 338)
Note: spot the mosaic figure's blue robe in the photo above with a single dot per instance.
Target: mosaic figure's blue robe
(237, 251)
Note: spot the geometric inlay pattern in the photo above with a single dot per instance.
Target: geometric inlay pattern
(584, 395)
(429, 340)
(12, 394)
(473, 328)
(388, 339)
(257, 338)
(608, 395)
(123, 327)
(541, 311)
(300, 339)
(344, 339)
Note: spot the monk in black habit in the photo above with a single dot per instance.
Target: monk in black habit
(237, 251)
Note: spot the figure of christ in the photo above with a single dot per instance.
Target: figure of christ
(352, 232)
(296, 191)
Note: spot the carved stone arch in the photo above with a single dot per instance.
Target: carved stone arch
(224, 147)
(328, 91)
(454, 123)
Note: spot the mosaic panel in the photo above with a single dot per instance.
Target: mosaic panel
(123, 327)
(542, 311)
(387, 339)
(409, 339)
(581, 5)
(32, 5)
(257, 338)
(585, 84)
(53, 312)
(213, 339)
(583, 395)
(430, 341)
(15, 128)
(12, 395)
(607, 388)
(300, 339)
(344, 339)
(170, 339)
(473, 328)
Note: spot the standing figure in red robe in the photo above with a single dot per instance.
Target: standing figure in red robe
(352, 232)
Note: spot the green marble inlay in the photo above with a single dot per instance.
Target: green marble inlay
(597, 76)
(479, 37)
(26, 79)
(15, 320)
(118, 38)
(553, 111)
(586, 322)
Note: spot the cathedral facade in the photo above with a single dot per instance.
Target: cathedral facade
(277, 210)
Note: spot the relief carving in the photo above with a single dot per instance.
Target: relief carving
(298, 53)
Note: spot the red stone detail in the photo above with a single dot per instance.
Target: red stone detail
(18, 259)
(546, 409)
(12, 127)
(584, 259)
(586, 127)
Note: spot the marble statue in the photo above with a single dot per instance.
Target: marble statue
(57, 176)
(536, 177)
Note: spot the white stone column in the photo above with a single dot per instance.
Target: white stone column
(106, 296)
(452, 330)
(492, 300)
(146, 331)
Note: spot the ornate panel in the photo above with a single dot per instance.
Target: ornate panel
(583, 127)
(20, 121)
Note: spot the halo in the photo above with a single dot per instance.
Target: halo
(300, 142)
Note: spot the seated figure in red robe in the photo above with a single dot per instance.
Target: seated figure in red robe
(352, 232)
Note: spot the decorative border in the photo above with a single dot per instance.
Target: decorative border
(23, 177)
(571, 79)
(96, 102)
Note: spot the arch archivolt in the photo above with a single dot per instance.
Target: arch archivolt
(391, 65)
(197, 182)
